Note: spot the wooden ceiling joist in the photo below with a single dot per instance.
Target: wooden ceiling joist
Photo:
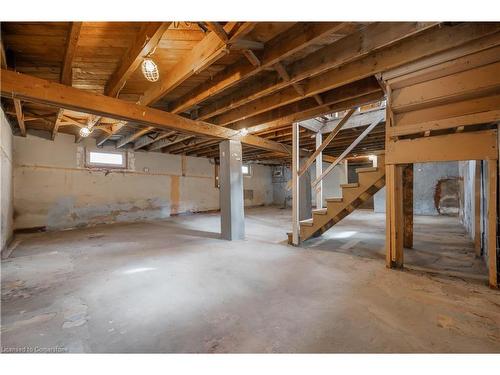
(24, 87)
(206, 52)
(298, 37)
(347, 49)
(146, 41)
(57, 123)
(71, 44)
(20, 116)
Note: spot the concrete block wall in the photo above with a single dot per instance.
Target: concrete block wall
(53, 189)
(6, 214)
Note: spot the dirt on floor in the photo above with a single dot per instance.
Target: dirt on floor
(174, 286)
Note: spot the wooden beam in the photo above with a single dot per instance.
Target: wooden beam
(254, 60)
(298, 37)
(347, 151)
(145, 42)
(218, 30)
(453, 87)
(326, 142)
(295, 185)
(492, 223)
(3, 56)
(132, 137)
(24, 87)
(147, 139)
(57, 123)
(394, 216)
(71, 43)
(408, 206)
(457, 146)
(20, 116)
(477, 209)
(205, 53)
(345, 50)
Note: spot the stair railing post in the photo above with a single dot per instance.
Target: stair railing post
(295, 184)
(319, 171)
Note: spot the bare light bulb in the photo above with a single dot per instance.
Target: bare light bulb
(85, 132)
(150, 70)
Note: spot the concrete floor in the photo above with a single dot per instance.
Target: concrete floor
(173, 286)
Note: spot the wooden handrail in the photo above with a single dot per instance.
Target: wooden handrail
(326, 142)
(348, 150)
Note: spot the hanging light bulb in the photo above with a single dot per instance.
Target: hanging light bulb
(85, 132)
(150, 70)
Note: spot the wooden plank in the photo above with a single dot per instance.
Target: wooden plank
(456, 65)
(24, 87)
(492, 223)
(408, 205)
(295, 185)
(454, 87)
(71, 44)
(298, 37)
(326, 142)
(57, 123)
(347, 151)
(206, 52)
(132, 137)
(145, 42)
(317, 64)
(218, 30)
(20, 116)
(394, 214)
(3, 56)
(319, 171)
(450, 110)
(450, 147)
(477, 208)
(449, 123)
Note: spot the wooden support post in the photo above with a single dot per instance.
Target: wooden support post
(319, 171)
(492, 223)
(394, 216)
(477, 209)
(408, 205)
(295, 184)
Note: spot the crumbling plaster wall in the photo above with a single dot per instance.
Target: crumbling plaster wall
(53, 189)
(6, 215)
(426, 178)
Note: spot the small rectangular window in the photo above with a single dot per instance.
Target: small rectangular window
(246, 170)
(106, 159)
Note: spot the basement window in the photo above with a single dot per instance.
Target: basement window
(106, 159)
(246, 170)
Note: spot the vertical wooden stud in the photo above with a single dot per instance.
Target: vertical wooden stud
(295, 184)
(408, 205)
(492, 223)
(319, 171)
(477, 209)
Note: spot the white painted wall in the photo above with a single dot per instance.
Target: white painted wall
(53, 188)
(6, 216)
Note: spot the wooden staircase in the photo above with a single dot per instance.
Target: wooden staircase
(370, 181)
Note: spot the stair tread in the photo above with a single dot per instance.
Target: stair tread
(334, 199)
(320, 211)
(366, 169)
(307, 222)
(351, 185)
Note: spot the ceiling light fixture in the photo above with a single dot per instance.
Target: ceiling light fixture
(85, 132)
(150, 70)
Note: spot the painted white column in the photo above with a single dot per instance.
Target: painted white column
(295, 184)
(231, 191)
(319, 171)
